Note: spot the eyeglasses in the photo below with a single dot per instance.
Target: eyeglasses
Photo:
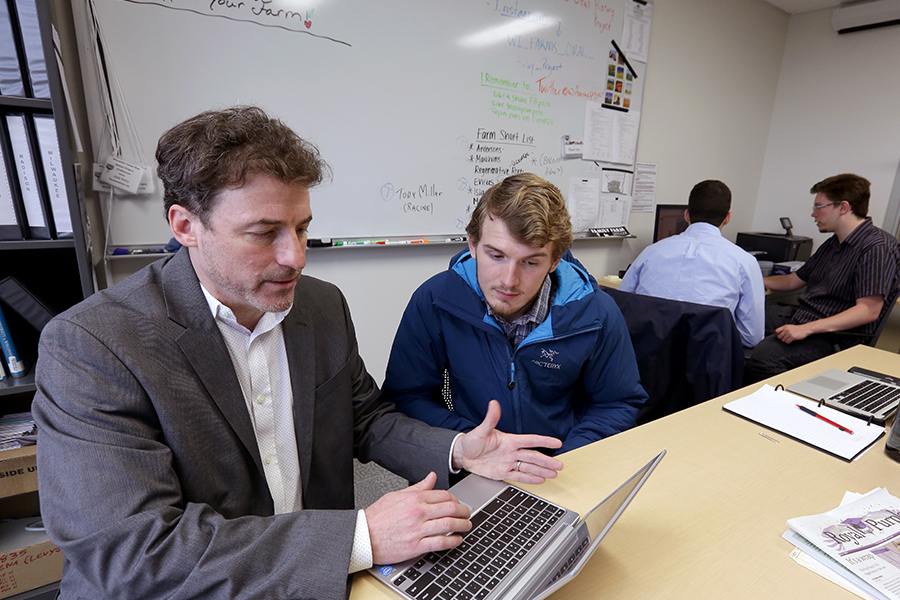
(821, 206)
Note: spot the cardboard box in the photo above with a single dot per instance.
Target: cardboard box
(18, 471)
(28, 559)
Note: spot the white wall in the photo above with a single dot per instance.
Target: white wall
(710, 92)
(708, 102)
(736, 90)
(836, 111)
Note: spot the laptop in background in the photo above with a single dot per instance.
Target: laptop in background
(860, 392)
(520, 545)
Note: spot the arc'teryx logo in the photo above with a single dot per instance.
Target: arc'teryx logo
(547, 363)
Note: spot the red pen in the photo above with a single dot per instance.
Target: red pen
(815, 414)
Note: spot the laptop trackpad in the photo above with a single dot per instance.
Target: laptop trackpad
(827, 382)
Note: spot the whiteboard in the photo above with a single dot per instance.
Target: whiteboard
(418, 107)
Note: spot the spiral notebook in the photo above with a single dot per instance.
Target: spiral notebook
(779, 411)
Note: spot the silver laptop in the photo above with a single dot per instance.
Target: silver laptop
(520, 545)
(862, 393)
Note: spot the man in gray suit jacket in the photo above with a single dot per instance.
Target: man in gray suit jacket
(198, 420)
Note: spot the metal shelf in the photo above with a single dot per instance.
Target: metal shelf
(18, 385)
(36, 244)
(36, 104)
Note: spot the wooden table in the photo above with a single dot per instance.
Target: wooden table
(708, 522)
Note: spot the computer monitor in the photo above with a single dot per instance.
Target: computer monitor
(669, 221)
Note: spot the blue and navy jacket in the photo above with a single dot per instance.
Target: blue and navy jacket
(574, 377)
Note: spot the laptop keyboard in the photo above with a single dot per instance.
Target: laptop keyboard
(868, 396)
(502, 533)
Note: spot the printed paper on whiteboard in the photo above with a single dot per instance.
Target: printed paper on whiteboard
(636, 31)
(584, 203)
(617, 181)
(614, 210)
(610, 135)
(645, 175)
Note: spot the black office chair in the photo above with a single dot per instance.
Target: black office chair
(844, 339)
(686, 353)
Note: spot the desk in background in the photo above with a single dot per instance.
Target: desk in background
(613, 281)
(708, 523)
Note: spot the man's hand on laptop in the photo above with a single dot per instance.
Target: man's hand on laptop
(411, 521)
(497, 455)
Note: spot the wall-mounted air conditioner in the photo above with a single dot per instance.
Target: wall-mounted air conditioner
(865, 14)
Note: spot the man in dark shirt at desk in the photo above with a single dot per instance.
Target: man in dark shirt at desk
(847, 281)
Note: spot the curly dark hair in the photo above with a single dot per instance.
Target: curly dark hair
(220, 149)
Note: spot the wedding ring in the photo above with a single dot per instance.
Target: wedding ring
(518, 462)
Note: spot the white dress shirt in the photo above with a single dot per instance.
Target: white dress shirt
(701, 266)
(260, 362)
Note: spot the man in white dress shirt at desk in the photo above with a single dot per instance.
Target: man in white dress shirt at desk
(701, 266)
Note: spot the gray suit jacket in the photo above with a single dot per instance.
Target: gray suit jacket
(150, 476)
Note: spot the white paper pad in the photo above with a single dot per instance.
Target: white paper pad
(778, 410)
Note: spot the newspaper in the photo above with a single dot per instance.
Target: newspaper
(863, 536)
(17, 430)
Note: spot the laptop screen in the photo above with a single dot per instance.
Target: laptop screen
(599, 521)
(601, 518)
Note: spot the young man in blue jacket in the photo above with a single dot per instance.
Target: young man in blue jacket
(515, 320)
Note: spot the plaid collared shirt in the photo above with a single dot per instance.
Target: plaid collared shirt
(519, 329)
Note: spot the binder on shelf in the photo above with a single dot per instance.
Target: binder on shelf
(48, 142)
(19, 298)
(38, 225)
(3, 374)
(10, 219)
(7, 346)
(10, 71)
(33, 44)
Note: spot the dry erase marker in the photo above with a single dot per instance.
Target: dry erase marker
(456, 239)
(418, 241)
(815, 414)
